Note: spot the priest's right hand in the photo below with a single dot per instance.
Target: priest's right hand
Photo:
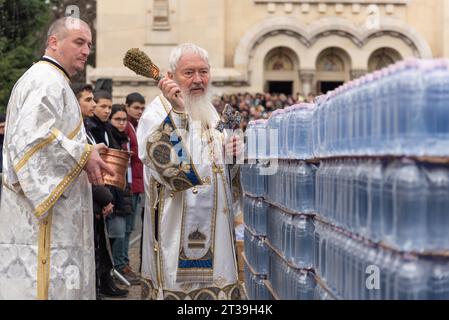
(95, 165)
(172, 92)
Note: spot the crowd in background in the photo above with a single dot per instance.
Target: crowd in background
(260, 105)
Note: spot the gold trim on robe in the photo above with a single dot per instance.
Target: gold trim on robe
(59, 190)
(43, 263)
(43, 144)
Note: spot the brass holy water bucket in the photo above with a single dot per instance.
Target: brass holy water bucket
(118, 160)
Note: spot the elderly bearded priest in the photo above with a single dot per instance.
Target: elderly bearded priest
(188, 247)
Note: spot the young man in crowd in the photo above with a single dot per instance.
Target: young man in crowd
(135, 105)
(103, 207)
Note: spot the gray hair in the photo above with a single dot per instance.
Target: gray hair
(180, 50)
(62, 25)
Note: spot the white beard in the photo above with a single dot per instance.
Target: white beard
(201, 110)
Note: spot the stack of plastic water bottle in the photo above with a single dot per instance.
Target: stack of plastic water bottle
(352, 193)
(255, 212)
(399, 202)
(400, 110)
(350, 267)
(280, 205)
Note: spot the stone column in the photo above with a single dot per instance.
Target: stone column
(307, 77)
(357, 73)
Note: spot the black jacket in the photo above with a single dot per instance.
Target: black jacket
(98, 131)
(101, 198)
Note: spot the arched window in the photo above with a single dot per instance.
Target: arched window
(279, 61)
(382, 58)
(330, 62)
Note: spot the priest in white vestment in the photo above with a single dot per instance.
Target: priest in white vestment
(188, 239)
(46, 219)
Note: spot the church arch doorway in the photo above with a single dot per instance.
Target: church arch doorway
(281, 67)
(333, 67)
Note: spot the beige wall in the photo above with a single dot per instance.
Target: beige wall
(239, 33)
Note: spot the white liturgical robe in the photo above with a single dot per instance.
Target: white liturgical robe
(188, 244)
(46, 219)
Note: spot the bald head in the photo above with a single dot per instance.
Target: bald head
(61, 27)
(69, 41)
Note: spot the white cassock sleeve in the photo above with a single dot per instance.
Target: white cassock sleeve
(43, 153)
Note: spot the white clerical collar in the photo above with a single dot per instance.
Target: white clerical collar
(52, 59)
(56, 64)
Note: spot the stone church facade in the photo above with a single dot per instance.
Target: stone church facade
(285, 46)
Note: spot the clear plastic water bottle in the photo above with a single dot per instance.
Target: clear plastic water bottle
(302, 134)
(437, 207)
(388, 213)
(262, 256)
(366, 105)
(271, 186)
(340, 197)
(271, 226)
(261, 138)
(349, 204)
(286, 133)
(324, 236)
(288, 234)
(410, 207)
(436, 113)
(305, 286)
(375, 192)
(362, 198)
(410, 105)
(384, 258)
(385, 142)
(250, 141)
(304, 247)
(394, 107)
(411, 280)
(325, 150)
(304, 189)
(246, 211)
(438, 285)
(319, 144)
(318, 199)
(274, 133)
(290, 185)
(280, 188)
(375, 116)
(261, 211)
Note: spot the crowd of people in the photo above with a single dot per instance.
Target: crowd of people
(65, 232)
(260, 105)
(116, 210)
